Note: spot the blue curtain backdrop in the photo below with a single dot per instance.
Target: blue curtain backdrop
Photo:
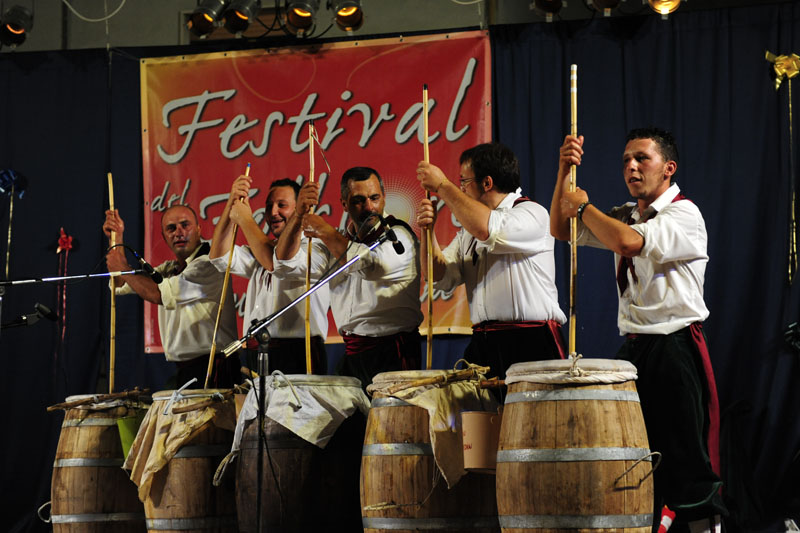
(66, 118)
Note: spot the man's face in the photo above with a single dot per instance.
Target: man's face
(181, 231)
(471, 186)
(646, 173)
(280, 206)
(365, 197)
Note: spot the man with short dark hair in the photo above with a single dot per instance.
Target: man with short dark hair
(376, 301)
(267, 294)
(187, 299)
(660, 247)
(503, 254)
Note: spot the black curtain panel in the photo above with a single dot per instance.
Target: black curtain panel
(68, 118)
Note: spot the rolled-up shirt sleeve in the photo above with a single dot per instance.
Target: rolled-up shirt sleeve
(680, 236)
(521, 229)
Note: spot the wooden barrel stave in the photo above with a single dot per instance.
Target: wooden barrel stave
(398, 469)
(581, 495)
(90, 492)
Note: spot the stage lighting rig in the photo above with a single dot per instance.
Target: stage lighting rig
(240, 13)
(206, 16)
(348, 14)
(301, 16)
(548, 7)
(664, 7)
(15, 24)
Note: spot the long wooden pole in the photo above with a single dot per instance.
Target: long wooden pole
(308, 252)
(112, 338)
(573, 227)
(428, 232)
(226, 280)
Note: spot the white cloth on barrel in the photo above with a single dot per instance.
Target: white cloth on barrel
(161, 435)
(321, 405)
(444, 404)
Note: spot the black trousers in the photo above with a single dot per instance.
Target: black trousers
(674, 396)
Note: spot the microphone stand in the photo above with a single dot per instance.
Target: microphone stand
(263, 368)
(259, 325)
(68, 278)
(30, 319)
(262, 360)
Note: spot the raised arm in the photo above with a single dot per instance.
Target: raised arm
(145, 287)
(223, 231)
(614, 234)
(426, 218)
(570, 153)
(260, 243)
(289, 241)
(472, 214)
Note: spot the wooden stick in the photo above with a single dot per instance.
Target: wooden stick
(458, 375)
(98, 398)
(112, 338)
(225, 282)
(573, 226)
(308, 252)
(428, 232)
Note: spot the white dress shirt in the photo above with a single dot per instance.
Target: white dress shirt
(267, 294)
(666, 293)
(188, 312)
(511, 275)
(377, 295)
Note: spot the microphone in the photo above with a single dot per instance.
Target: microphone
(45, 311)
(155, 276)
(392, 236)
(396, 244)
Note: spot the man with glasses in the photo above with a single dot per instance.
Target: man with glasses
(503, 254)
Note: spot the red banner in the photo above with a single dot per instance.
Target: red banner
(204, 117)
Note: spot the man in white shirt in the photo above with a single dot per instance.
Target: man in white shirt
(267, 294)
(187, 298)
(503, 254)
(659, 242)
(376, 301)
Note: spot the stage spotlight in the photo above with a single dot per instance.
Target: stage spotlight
(664, 7)
(240, 13)
(605, 6)
(549, 7)
(17, 21)
(206, 16)
(348, 14)
(300, 15)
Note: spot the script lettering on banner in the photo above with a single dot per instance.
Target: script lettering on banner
(205, 116)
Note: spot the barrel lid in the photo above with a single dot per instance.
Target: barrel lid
(190, 393)
(313, 380)
(587, 370)
(142, 401)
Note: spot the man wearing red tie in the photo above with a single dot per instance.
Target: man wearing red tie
(659, 242)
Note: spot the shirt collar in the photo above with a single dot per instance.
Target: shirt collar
(509, 199)
(660, 203)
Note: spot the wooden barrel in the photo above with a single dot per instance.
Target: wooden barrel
(304, 487)
(402, 489)
(573, 452)
(182, 498)
(90, 492)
